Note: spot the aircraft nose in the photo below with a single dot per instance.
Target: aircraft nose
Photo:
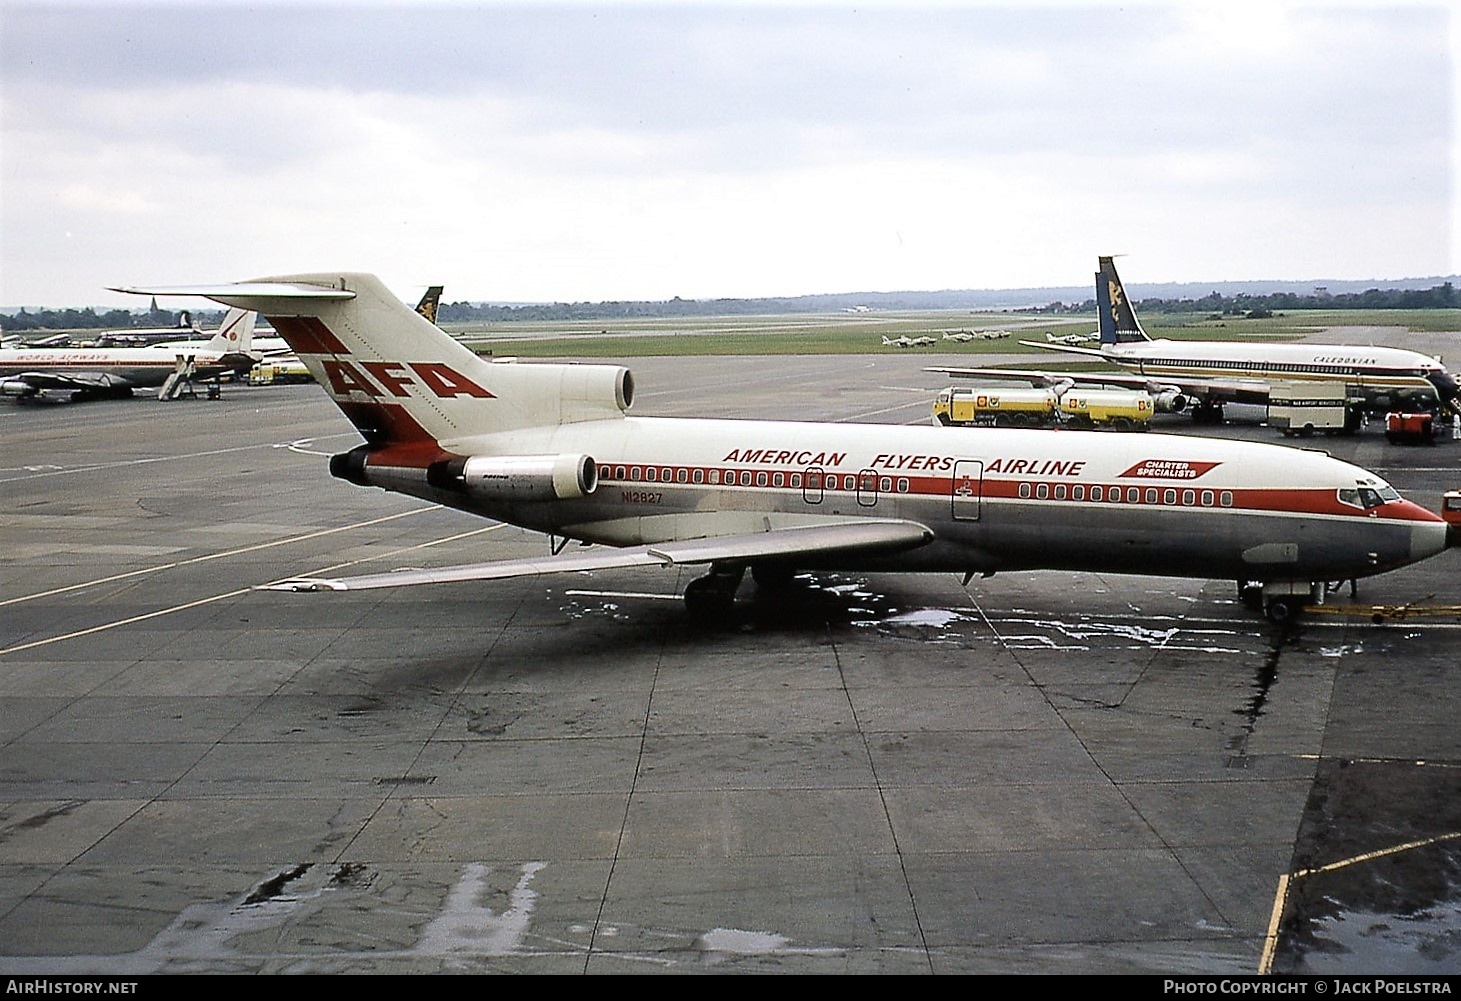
(1427, 538)
(1446, 385)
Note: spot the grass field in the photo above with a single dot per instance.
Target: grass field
(838, 333)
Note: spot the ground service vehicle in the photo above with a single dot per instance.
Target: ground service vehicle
(1118, 409)
(996, 407)
(1404, 427)
(1304, 408)
(1451, 514)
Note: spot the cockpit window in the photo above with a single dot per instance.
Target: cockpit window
(1367, 497)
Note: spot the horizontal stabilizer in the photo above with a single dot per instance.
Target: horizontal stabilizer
(267, 297)
(864, 537)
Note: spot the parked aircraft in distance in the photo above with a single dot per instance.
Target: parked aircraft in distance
(1070, 338)
(91, 373)
(130, 337)
(965, 336)
(1209, 374)
(908, 342)
(551, 447)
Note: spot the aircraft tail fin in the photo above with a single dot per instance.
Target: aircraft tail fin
(1117, 317)
(401, 380)
(430, 302)
(235, 335)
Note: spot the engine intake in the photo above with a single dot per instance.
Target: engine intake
(509, 478)
(1169, 401)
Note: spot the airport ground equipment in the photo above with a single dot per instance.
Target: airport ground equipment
(1309, 408)
(1118, 409)
(987, 406)
(996, 407)
(1403, 427)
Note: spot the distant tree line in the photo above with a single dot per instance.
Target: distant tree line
(1438, 297)
(1441, 296)
(111, 319)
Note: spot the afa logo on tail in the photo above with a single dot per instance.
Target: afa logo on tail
(385, 379)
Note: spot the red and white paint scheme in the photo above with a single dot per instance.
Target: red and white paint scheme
(116, 372)
(553, 448)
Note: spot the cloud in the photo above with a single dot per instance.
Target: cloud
(638, 151)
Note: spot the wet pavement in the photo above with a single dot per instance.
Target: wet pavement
(1041, 772)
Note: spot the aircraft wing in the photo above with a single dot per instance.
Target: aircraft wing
(870, 536)
(1069, 349)
(1233, 390)
(69, 380)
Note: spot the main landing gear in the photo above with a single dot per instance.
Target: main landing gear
(713, 596)
(1283, 601)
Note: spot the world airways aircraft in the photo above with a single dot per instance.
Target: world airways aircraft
(552, 447)
(1203, 375)
(116, 372)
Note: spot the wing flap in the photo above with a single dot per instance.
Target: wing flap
(871, 536)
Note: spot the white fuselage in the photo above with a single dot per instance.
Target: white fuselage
(996, 499)
(139, 367)
(1362, 367)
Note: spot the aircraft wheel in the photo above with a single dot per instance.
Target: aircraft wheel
(712, 597)
(1283, 610)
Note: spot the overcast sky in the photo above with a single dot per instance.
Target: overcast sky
(591, 151)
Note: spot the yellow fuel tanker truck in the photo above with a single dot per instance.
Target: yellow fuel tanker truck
(996, 407)
(1118, 409)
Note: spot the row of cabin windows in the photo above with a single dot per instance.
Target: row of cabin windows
(745, 478)
(1132, 495)
(1269, 366)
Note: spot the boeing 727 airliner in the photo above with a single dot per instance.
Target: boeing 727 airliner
(552, 447)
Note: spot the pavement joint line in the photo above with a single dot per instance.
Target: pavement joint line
(213, 556)
(103, 627)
